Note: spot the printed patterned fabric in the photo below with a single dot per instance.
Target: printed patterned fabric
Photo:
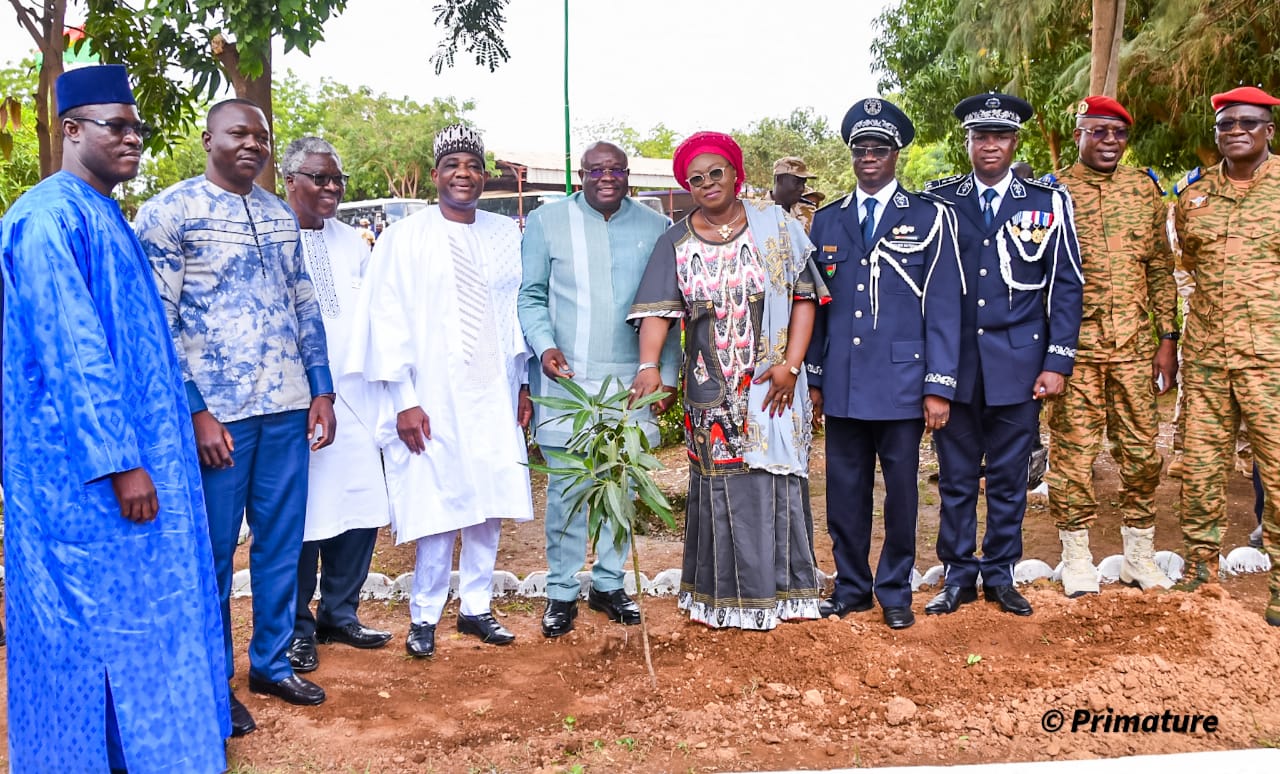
(240, 305)
(95, 603)
(727, 276)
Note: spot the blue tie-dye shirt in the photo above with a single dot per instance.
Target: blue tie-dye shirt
(240, 305)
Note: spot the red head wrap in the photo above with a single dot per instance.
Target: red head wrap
(707, 142)
(1244, 95)
(1103, 107)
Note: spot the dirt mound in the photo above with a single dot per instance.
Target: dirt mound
(970, 687)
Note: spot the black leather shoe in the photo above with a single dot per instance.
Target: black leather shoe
(293, 689)
(355, 634)
(421, 642)
(830, 607)
(241, 721)
(950, 599)
(1008, 598)
(899, 617)
(615, 604)
(486, 627)
(302, 654)
(557, 619)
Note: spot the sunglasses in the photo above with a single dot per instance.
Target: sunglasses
(1100, 134)
(118, 127)
(323, 180)
(596, 174)
(1247, 124)
(715, 176)
(874, 151)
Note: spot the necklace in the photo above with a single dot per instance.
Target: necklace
(725, 230)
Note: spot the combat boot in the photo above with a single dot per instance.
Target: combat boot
(1175, 466)
(1197, 574)
(1273, 609)
(1139, 567)
(1079, 576)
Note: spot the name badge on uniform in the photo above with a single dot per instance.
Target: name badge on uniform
(830, 249)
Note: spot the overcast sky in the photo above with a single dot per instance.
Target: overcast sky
(691, 64)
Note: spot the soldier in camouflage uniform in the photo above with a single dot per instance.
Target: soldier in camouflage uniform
(1228, 222)
(1120, 222)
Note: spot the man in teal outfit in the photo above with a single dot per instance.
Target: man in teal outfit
(583, 259)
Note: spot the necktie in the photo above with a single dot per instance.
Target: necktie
(988, 214)
(868, 221)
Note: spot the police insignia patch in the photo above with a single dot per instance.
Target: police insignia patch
(872, 107)
(993, 103)
(829, 270)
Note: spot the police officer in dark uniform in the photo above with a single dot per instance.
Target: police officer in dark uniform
(883, 359)
(1020, 322)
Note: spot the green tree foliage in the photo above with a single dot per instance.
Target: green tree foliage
(385, 142)
(803, 133)
(1175, 54)
(658, 143)
(20, 161)
(475, 26)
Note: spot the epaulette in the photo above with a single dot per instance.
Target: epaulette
(932, 184)
(1048, 185)
(1151, 173)
(1187, 181)
(933, 197)
(835, 202)
(1049, 177)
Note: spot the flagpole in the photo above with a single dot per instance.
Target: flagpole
(568, 173)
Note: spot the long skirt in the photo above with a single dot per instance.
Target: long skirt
(748, 550)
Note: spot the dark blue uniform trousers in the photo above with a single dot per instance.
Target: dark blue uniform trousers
(268, 485)
(852, 448)
(1005, 435)
(344, 565)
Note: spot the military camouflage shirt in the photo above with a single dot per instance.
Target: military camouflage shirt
(241, 308)
(1128, 267)
(1230, 238)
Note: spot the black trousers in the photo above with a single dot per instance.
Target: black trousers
(344, 565)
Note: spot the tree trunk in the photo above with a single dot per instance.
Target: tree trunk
(1104, 53)
(256, 90)
(47, 32)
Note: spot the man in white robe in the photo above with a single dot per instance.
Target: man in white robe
(441, 330)
(346, 490)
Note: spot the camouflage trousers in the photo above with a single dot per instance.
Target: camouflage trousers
(1217, 400)
(1103, 401)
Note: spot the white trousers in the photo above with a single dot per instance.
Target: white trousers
(475, 571)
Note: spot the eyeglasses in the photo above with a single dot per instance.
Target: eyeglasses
(874, 151)
(118, 126)
(1247, 124)
(596, 174)
(1101, 133)
(715, 176)
(323, 180)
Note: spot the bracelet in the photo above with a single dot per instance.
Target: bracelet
(644, 366)
(794, 371)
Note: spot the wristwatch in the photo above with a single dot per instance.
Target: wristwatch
(1171, 336)
(794, 371)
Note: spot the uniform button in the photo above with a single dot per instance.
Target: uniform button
(864, 261)
(856, 341)
(861, 286)
(1035, 336)
(982, 302)
(986, 243)
(980, 331)
(982, 272)
(917, 356)
(858, 313)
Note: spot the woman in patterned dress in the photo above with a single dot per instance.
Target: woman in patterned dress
(738, 274)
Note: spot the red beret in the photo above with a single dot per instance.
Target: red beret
(1244, 95)
(1103, 107)
(707, 142)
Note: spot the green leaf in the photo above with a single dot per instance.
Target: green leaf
(573, 388)
(556, 404)
(649, 399)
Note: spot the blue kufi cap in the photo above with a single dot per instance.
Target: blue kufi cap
(96, 85)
